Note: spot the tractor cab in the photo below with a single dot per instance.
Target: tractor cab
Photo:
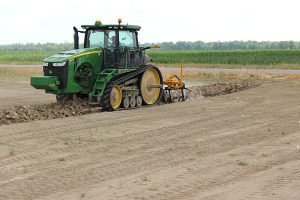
(118, 42)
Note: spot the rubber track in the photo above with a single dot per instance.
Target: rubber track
(105, 100)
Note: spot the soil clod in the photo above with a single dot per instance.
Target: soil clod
(76, 107)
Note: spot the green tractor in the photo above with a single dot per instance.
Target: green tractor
(112, 70)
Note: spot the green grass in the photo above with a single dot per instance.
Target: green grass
(12, 152)
(61, 159)
(82, 195)
(242, 163)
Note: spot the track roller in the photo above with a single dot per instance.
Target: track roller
(139, 101)
(125, 102)
(132, 102)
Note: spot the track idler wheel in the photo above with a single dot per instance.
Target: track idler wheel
(151, 86)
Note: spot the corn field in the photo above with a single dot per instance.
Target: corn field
(238, 57)
(24, 57)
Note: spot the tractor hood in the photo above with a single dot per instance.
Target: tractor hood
(72, 54)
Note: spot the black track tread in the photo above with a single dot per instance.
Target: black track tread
(105, 99)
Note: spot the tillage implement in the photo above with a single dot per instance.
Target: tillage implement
(111, 70)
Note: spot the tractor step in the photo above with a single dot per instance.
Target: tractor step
(102, 79)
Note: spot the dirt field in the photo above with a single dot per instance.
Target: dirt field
(20, 92)
(244, 145)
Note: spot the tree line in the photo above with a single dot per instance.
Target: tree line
(37, 47)
(231, 45)
(181, 45)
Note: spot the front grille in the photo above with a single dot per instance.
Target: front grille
(60, 72)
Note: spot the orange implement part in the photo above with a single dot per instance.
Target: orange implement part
(174, 82)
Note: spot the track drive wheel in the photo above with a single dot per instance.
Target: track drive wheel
(150, 86)
(115, 97)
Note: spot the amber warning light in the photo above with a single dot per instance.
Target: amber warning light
(119, 20)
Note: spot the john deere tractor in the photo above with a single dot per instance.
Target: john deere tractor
(112, 70)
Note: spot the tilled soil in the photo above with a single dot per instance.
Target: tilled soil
(217, 89)
(18, 114)
(241, 146)
(25, 113)
(223, 88)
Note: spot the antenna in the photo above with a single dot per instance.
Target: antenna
(130, 9)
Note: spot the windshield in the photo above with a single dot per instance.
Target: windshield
(101, 38)
(95, 38)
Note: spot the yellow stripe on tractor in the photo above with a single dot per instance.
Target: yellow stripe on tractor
(83, 54)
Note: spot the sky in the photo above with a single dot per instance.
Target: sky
(24, 21)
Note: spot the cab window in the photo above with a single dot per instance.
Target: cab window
(110, 39)
(95, 38)
(127, 39)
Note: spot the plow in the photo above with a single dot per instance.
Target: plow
(111, 71)
(175, 90)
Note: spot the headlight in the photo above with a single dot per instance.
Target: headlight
(45, 64)
(59, 64)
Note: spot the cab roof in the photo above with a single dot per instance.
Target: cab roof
(112, 27)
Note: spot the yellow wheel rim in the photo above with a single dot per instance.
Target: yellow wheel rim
(149, 86)
(115, 97)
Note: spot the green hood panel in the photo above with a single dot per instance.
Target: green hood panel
(72, 54)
